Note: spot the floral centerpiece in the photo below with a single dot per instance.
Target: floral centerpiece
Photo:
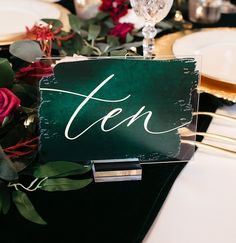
(114, 30)
(20, 169)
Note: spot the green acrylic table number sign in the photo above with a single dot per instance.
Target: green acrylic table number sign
(116, 113)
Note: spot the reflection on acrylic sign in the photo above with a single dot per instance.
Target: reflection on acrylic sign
(115, 109)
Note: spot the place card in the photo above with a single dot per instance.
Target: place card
(116, 109)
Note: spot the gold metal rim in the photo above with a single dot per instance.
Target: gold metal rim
(63, 18)
(219, 88)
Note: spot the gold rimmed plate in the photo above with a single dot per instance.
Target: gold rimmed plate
(18, 33)
(217, 48)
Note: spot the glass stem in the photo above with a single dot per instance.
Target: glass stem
(149, 32)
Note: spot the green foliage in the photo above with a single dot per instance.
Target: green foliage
(6, 73)
(112, 41)
(86, 51)
(5, 201)
(103, 47)
(91, 36)
(72, 46)
(26, 50)
(93, 31)
(86, 37)
(59, 169)
(25, 207)
(119, 53)
(64, 184)
(7, 169)
(75, 23)
(102, 15)
(56, 23)
(129, 38)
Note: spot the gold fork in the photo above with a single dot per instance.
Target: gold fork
(209, 146)
(185, 132)
(225, 117)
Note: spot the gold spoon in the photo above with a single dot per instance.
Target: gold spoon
(185, 132)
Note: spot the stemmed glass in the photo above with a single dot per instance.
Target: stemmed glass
(228, 7)
(153, 12)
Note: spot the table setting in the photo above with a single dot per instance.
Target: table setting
(177, 197)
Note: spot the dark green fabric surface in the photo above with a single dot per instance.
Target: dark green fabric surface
(102, 213)
(119, 212)
(107, 213)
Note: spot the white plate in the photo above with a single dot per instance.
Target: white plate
(49, 1)
(15, 15)
(218, 51)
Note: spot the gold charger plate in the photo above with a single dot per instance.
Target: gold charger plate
(63, 18)
(218, 88)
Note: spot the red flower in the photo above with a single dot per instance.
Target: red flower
(40, 33)
(121, 30)
(45, 35)
(34, 72)
(116, 8)
(8, 103)
(22, 148)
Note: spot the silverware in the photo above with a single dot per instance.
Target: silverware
(211, 147)
(225, 117)
(185, 132)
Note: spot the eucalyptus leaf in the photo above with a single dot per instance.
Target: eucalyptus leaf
(93, 31)
(64, 184)
(73, 46)
(129, 38)
(119, 53)
(78, 42)
(26, 50)
(113, 41)
(109, 24)
(102, 15)
(86, 51)
(5, 201)
(57, 168)
(26, 208)
(73, 172)
(75, 23)
(7, 169)
(126, 46)
(90, 21)
(104, 31)
(6, 73)
(103, 47)
(56, 23)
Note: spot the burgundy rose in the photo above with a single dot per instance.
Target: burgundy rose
(116, 8)
(121, 30)
(8, 103)
(34, 72)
